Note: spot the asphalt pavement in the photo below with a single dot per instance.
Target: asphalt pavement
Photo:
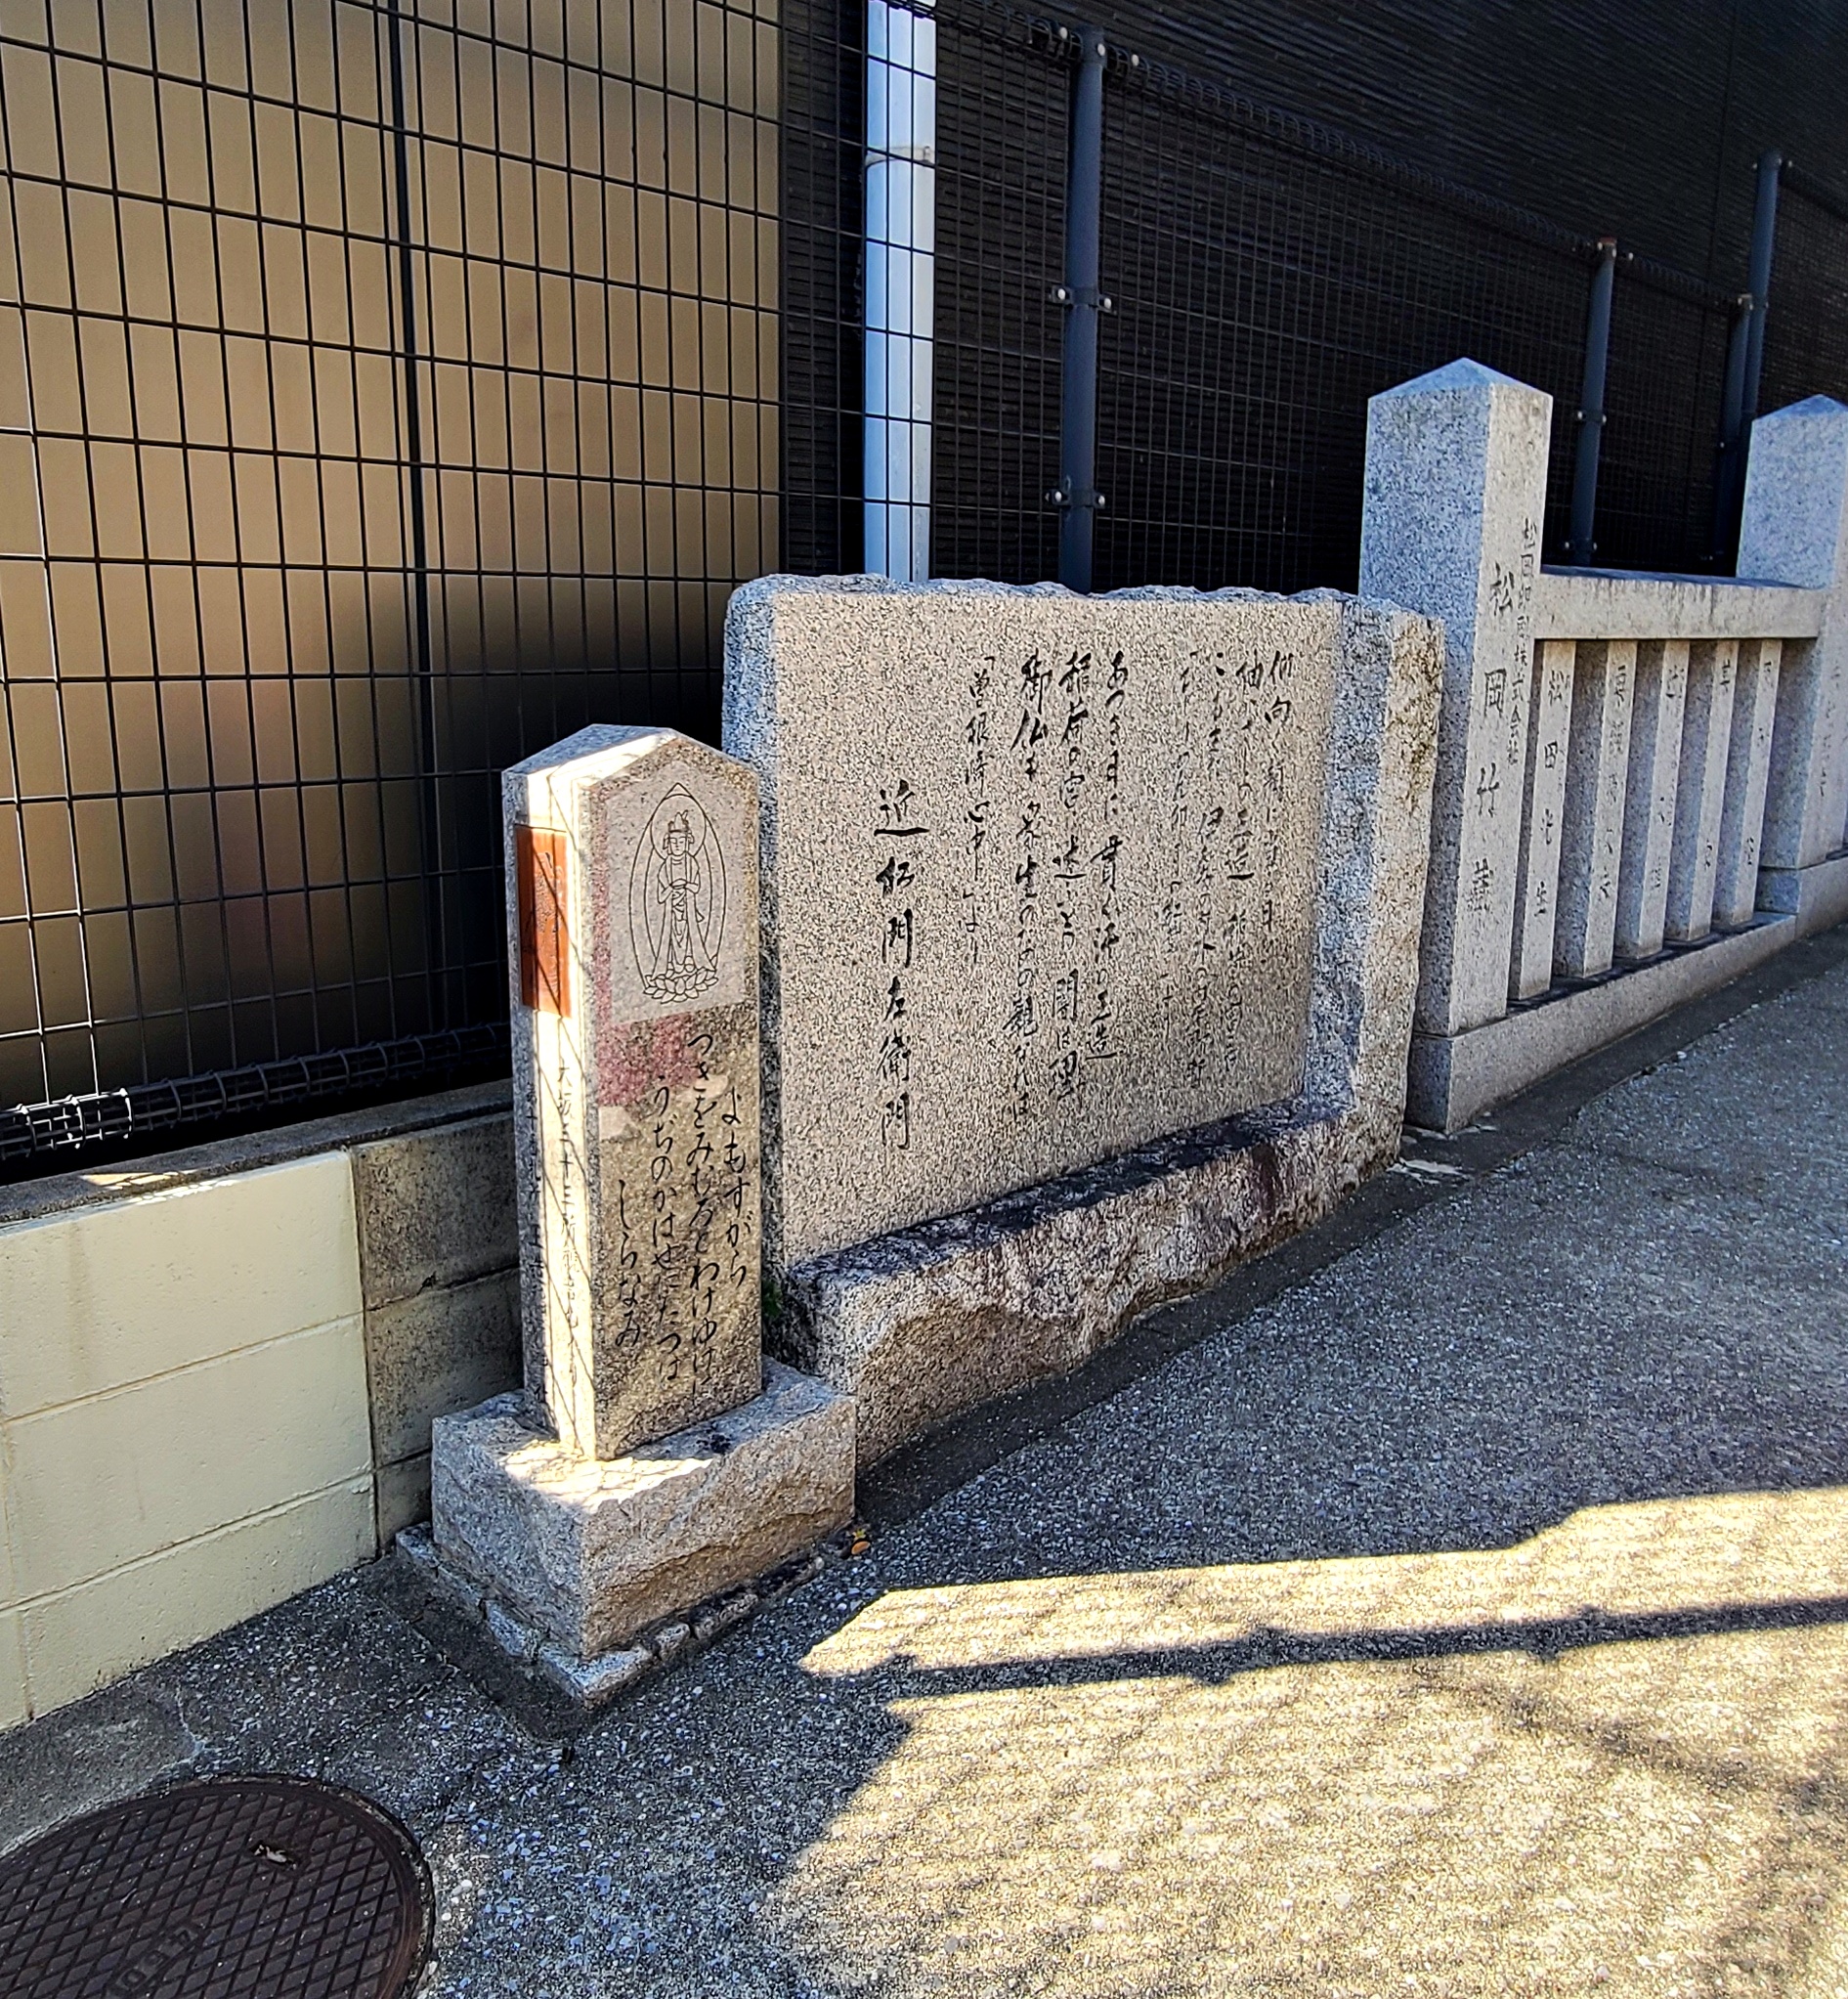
(1456, 1602)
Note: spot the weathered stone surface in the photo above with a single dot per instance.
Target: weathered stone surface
(1707, 741)
(447, 1348)
(1598, 760)
(1656, 712)
(434, 1207)
(632, 938)
(1794, 530)
(1455, 494)
(1039, 878)
(1748, 770)
(927, 1322)
(937, 1317)
(590, 1552)
(1543, 816)
(1610, 603)
(1817, 897)
(401, 1496)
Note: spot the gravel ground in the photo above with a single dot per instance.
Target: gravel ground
(1471, 1618)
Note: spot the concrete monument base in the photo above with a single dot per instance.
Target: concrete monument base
(589, 1552)
(927, 1322)
(1453, 1078)
(1815, 895)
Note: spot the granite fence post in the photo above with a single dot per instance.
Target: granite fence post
(1649, 811)
(1536, 898)
(1597, 771)
(1747, 771)
(1455, 492)
(1707, 734)
(1794, 530)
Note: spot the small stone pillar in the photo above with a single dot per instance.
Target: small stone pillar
(1455, 494)
(1538, 890)
(654, 1462)
(1747, 773)
(1658, 710)
(1597, 776)
(1794, 529)
(1706, 742)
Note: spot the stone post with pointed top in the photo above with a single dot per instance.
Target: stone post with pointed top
(1455, 493)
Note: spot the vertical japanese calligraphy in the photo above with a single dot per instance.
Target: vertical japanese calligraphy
(897, 837)
(1046, 881)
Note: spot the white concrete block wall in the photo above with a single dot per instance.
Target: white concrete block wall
(184, 1429)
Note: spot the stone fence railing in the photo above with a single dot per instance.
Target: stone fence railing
(1642, 780)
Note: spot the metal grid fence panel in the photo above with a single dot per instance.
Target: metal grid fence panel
(1263, 286)
(1662, 402)
(386, 393)
(388, 387)
(824, 64)
(1003, 102)
(1806, 330)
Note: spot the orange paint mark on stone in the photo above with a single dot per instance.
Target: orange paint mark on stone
(541, 869)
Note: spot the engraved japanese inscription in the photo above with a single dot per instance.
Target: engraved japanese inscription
(636, 1103)
(1045, 883)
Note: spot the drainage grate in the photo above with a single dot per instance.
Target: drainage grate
(243, 1887)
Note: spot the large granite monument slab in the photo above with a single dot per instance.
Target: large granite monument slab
(1089, 943)
(649, 1464)
(1038, 877)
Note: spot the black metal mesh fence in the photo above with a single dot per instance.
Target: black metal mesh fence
(1662, 402)
(388, 390)
(1268, 280)
(1806, 331)
(824, 153)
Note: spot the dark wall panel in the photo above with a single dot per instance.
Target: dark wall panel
(1639, 119)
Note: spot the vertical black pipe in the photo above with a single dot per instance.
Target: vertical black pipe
(1077, 497)
(413, 415)
(1729, 479)
(1759, 278)
(423, 665)
(1591, 416)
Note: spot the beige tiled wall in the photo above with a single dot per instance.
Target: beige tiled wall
(184, 1429)
(216, 1384)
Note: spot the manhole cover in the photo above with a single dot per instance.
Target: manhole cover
(245, 1888)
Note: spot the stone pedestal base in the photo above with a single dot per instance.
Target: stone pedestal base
(926, 1323)
(1817, 896)
(589, 1552)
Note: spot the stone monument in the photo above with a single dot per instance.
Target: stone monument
(654, 1459)
(1638, 776)
(1455, 497)
(1090, 931)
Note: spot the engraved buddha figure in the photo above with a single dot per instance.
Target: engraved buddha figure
(682, 936)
